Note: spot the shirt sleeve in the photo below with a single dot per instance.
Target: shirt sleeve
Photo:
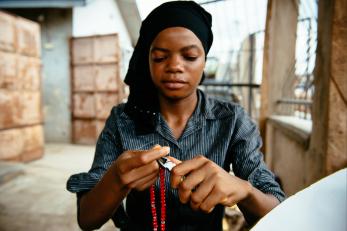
(247, 160)
(107, 150)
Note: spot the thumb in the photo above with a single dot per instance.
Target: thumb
(174, 160)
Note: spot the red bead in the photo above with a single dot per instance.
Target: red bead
(162, 203)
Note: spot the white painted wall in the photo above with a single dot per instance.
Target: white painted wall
(100, 17)
(146, 6)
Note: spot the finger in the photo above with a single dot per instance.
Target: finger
(157, 146)
(202, 192)
(214, 198)
(228, 201)
(194, 206)
(139, 158)
(143, 182)
(147, 185)
(139, 173)
(190, 183)
(174, 160)
(185, 168)
(184, 194)
(194, 178)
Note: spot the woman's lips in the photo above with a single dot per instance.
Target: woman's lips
(174, 85)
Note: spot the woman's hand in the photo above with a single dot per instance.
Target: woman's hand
(138, 169)
(132, 170)
(204, 184)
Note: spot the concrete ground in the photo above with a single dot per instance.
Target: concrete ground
(33, 196)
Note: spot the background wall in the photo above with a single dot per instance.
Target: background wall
(56, 32)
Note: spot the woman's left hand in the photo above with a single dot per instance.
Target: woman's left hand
(204, 184)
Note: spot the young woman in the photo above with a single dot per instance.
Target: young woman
(166, 114)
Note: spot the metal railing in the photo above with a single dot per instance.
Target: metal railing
(231, 92)
(297, 90)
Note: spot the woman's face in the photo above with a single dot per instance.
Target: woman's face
(176, 62)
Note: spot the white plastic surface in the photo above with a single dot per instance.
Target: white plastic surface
(319, 207)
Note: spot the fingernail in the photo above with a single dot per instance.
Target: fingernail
(157, 146)
(165, 149)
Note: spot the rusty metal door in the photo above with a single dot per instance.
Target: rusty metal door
(21, 119)
(96, 84)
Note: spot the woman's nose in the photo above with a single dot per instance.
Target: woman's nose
(175, 64)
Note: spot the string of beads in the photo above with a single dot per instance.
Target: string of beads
(162, 203)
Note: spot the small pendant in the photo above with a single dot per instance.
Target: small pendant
(166, 163)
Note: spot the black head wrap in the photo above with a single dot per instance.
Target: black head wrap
(143, 102)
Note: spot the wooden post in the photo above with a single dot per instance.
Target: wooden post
(279, 55)
(328, 145)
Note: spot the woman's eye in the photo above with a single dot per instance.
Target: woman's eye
(158, 59)
(190, 58)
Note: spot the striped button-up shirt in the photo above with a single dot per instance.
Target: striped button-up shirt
(221, 131)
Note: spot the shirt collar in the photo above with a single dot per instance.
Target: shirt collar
(196, 121)
(203, 107)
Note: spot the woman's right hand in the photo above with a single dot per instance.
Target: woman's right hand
(138, 169)
(132, 170)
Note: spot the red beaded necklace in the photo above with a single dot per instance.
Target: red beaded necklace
(162, 202)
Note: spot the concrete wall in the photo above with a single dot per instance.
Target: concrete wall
(287, 140)
(56, 32)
